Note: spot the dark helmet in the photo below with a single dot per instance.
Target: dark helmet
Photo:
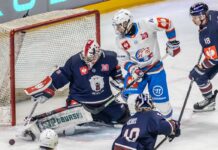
(143, 102)
(198, 9)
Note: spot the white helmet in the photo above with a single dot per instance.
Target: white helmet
(122, 21)
(91, 52)
(48, 139)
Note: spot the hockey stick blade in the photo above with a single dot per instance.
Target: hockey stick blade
(28, 119)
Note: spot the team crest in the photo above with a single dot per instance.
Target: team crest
(83, 70)
(144, 54)
(97, 84)
(211, 52)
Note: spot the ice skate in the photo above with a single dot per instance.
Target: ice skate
(206, 105)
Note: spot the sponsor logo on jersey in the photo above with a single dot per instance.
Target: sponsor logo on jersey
(104, 67)
(157, 90)
(84, 70)
(125, 45)
(211, 52)
(97, 84)
(144, 35)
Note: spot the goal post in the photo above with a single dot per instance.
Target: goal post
(31, 47)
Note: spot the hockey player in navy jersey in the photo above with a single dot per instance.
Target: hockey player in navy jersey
(142, 129)
(202, 73)
(139, 50)
(88, 73)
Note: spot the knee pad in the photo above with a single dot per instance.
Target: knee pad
(126, 115)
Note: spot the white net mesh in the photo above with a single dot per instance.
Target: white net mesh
(38, 50)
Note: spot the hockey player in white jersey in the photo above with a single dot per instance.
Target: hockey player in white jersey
(138, 43)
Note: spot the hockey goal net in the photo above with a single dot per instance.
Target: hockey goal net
(30, 47)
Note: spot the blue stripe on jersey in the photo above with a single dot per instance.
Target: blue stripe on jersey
(171, 34)
(128, 65)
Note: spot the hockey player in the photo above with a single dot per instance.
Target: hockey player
(142, 129)
(88, 73)
(138, 42)
(48, 140)
(202, 73)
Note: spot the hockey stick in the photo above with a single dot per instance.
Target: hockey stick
(58, 110)
(183, 107)
(28, 119)
(99, 109)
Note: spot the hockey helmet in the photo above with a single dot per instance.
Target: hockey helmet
(143, 102)
(91, 51)
(48, 139)
(122, 21)
(198, 9)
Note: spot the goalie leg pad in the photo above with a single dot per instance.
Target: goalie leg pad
(60, 122)
(70, 117)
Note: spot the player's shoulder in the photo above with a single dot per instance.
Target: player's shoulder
(74, 59)
(154, 114)
(213, 12)
(109, 54)
(213, 15)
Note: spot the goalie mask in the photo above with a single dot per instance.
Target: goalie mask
(48, 140)
(91, 53)
(143, 103)
(122, 21)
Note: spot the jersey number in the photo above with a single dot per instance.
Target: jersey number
(132, 134)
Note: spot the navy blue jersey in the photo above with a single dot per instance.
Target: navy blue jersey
(208, 36)
(141, 131)
(88, 86)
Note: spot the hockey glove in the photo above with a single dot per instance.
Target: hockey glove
(176, 129)
(117, 84)
(42, 91)
(136, 73)
(196, 73)
(173, 48)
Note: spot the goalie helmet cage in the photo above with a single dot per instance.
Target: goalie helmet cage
(30, 47)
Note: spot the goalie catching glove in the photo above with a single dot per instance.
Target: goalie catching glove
(173, 48)
(42, 91)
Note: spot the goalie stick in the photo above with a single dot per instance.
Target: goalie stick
(28, 119)
(183, 107)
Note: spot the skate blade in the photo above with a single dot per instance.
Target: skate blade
(204, 110)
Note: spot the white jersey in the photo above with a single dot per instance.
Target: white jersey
(143, 48)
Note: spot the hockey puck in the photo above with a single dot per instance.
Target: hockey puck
(11, 141)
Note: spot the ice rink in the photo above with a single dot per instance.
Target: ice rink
(199, 130)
